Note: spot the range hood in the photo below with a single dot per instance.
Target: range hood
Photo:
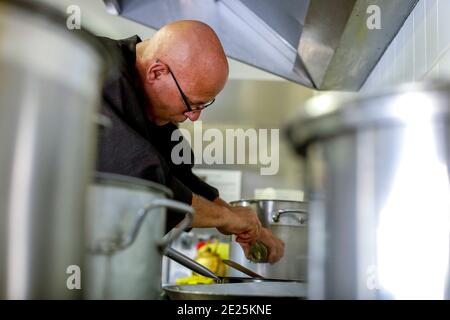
(322, 44)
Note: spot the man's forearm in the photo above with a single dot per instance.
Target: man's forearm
(207, 213)
(241, 221)
(221, 202)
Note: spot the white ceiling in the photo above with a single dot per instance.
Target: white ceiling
(95, 18)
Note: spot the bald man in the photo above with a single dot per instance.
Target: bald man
(156, 84)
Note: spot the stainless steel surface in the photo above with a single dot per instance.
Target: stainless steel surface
(336, 46)
(124, 242)
(49, 93)
(260, 291)
(241, 268)
(322, 44)
(325, 24)
(379, 195)
(189, 263)
(291, 228)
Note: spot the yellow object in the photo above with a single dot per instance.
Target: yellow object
(210, 256)
(221, 248)
(195, 279)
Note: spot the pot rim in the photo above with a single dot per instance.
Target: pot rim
(402, 105)
(265, 200)
(57, 17)
(130, 182)
(201, 289)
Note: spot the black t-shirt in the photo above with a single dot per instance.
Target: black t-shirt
(134, 146)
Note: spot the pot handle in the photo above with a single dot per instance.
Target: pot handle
(128, 240)
(276, 214)
(189, 263)
(173, 234)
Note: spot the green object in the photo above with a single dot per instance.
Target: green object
(258, 253)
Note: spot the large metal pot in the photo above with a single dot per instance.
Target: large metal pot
(379, 196)
(230, 287)
(49, 93)
(126, 223)
(287, 220)
(238, 291)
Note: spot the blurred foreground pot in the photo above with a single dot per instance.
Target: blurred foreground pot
(379, 196)
(49, 93)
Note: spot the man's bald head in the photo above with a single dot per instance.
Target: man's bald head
(192, 49)
(194, 54)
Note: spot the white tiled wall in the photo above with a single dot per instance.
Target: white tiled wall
(421, 49)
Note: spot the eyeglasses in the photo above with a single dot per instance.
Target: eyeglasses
(189, 107)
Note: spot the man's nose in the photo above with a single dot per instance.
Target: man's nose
(193, 116)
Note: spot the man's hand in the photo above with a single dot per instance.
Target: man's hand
(273, 244)
(243, 222)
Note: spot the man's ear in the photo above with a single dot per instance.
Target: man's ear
(155, 71)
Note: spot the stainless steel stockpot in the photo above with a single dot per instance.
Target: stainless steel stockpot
(125, 228)
(288, 221)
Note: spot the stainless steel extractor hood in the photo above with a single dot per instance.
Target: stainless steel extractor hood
(323, 44)
(336, 45)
